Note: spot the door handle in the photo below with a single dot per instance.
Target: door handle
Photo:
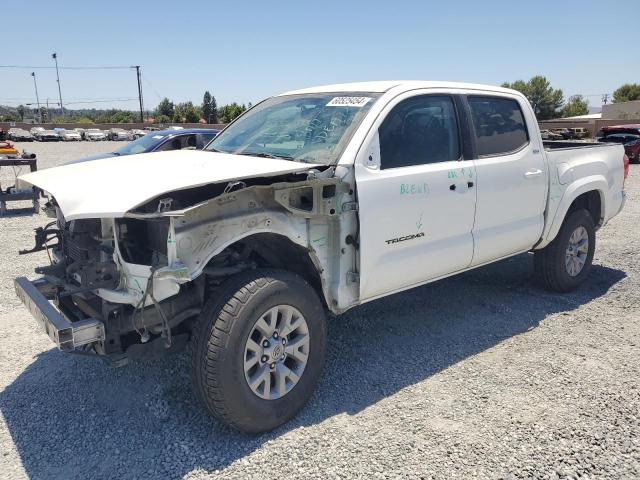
(533, 173)
(453, 186)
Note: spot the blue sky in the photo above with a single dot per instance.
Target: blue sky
(244, 51)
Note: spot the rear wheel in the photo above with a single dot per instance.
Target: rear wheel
(566, 262)
(259, 348)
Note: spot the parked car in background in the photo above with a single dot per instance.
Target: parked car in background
(136, 133)
(633, 129)
(549, 135)
(564, 132)
(48, 136)
(19, 135)
(69, 135)
(630, 141)
(162, 141)
(118, 134)
(80, 131)
(579, 132)
(94, 135)
(36, 131)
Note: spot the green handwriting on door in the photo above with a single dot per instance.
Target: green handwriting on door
(414, 188)
(460, 173)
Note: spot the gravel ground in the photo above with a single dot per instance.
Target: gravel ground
(483, 375)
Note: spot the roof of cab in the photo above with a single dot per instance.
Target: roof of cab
(384, 86)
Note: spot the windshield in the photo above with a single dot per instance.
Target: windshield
(312, 128)
(140, 145)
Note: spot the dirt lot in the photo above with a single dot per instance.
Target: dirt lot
(484, 375)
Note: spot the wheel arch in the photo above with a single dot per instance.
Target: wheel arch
(278, 251)
(588, 194)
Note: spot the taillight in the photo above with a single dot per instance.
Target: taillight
(625, 160)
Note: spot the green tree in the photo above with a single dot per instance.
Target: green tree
(209, 108)
(165, 107)
(122, 117)
(627, 93)
(577, 105)
(186, 113)
(21, 111)
(545, 100)
(228, 113)
(44, 114)
(162, 119)
(83, 120)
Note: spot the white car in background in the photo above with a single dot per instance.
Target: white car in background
(48, 136)
(69, 136)
(36, 131)
(137, 133)
(119, 134)
(94, 135)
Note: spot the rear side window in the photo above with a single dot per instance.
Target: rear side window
(418, 131)
(498, 124)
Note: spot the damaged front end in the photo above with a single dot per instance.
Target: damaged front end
(126, 286)
(112, 284)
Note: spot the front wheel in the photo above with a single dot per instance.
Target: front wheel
(258, 350)
(566, 262)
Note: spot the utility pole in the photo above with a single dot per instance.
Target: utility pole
(605, 98)
(137, 67)
(55, 58)
(33, 74)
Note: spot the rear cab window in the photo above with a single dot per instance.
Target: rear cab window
(498, 124)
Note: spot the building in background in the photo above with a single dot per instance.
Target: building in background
(612, 114)
(622, 111)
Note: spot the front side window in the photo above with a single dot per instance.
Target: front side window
(418, 131)
(311, 128)
(498, 124)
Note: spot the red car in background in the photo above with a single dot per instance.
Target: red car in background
(627, 135)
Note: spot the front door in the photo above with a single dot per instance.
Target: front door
(416, 196)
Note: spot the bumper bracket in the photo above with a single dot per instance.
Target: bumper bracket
(67, 335)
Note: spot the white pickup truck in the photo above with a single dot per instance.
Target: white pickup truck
(312, 202)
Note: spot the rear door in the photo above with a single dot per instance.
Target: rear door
(416, 194)
(512, 177)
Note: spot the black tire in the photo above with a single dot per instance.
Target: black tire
(218, 343)
(550, 261)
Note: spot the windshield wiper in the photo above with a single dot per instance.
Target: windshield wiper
(266, 155)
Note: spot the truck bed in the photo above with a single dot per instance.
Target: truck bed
(564, 144)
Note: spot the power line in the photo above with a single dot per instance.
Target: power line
(80, 102)
(115, 67)
(103, 101)
(144, 77)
